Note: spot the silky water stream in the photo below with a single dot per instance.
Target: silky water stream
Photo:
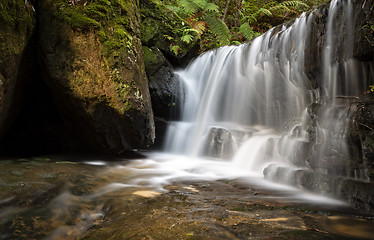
(245, 113)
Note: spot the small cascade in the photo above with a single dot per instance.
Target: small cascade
(258, 106)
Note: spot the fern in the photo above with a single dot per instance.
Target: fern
(175, 9)
(219, 28)
(199, 3)
(187, 38)
(288, 6)
(263, 11)
(211, 7)
(175, 49)
(187, 7)
(294, 4)
(246, 30)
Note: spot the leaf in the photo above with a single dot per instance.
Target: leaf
(246, 30)
(188, 7)
(190, 30)
(264, 11)
(175, 49)
(200, 27)
(287, 6)
(187, 38)
(173, 8)
(219, 28)
(168, 37)
(211, 7)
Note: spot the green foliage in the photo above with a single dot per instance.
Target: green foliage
(187, 38)
(201, 12)
(219, 28)
(288, 6)
(12, 12)
(246, 19)
(246, 30)
(175, 49)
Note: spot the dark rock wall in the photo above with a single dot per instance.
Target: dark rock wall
(17, 23)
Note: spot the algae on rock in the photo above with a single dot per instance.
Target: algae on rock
(93, 62)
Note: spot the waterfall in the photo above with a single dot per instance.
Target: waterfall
(253, 104)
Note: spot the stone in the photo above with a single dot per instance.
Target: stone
(92, 60)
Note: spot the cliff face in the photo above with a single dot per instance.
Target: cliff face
(92, 60)
(17, 23)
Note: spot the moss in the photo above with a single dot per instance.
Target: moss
(153, 60)
(13, 12)
(16, 22)
(164, 29)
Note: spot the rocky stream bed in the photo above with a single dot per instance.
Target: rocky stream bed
(56, 197)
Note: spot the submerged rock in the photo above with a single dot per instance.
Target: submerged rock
(92, 60)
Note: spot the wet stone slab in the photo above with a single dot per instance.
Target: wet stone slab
(224, 210)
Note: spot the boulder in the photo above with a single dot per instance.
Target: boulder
(92, 60)
(164, 86)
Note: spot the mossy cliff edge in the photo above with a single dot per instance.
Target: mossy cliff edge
(92, 60)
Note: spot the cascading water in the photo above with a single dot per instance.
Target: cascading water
(250, 88)
(252, 104)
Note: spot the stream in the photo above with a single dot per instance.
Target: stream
(162, 196)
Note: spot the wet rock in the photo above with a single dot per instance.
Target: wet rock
(219, 144)
(363, 40)
(165, 89)
(361, 128)
(332, 148)
(358, 194)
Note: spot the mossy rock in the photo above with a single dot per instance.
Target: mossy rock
(162, 28)
(17, 22)
(153, 60)
(93, 62)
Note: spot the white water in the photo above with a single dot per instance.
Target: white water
(246, 88)
(247, 104)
